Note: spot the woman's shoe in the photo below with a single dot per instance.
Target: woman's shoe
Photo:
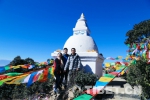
(65, 86)
(55, 92)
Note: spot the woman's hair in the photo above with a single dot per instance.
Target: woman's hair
(59, 53)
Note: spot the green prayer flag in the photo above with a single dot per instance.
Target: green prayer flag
(109, 75)
(13, 74)
(134, 62)
(112, 64)
(83, 97)
(128, 45)
(7, 67)
(142, 46)
(122, 67)
(134, 46)
(117, 58)
(144, 55)
(1, 83)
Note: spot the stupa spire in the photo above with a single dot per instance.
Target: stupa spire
(82, 18)
(81, 27)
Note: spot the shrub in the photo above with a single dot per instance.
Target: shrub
(139, 74)
(82, 79)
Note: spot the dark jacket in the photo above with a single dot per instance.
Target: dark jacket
(57, 66)
(73, 62)
(64, 58)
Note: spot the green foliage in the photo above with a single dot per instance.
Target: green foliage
(11, 91)
(83, 79)
(6, 91)
(29, 61)
(17, 61)
(139, 32)
(22, 91)
(139, 74)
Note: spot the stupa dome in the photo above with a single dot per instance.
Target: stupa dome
(81, 43)
(81, 39)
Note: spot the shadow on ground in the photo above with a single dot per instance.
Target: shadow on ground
(117, 83)
(63, 95)
(104, 96)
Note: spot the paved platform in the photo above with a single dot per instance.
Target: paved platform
(118, 89)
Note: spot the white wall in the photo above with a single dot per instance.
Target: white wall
(99, 69)
(95, 67)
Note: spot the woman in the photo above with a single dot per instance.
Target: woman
(58, 64)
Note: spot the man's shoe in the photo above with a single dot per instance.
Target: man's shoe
(60, 85)
(60, 89)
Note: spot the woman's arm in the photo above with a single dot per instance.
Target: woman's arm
(57, 65)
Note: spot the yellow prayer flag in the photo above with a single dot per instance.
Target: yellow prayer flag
(120, 57)
(149, 46)
(107, 64)
(15, 67)
(18, 80)
(105, 79)
(122, 72)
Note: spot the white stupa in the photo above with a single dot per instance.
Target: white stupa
(85, 46)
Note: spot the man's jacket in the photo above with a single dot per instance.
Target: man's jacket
(64, 58)
(73, 62)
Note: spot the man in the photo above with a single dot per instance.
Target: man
(65, 74)
(73, 64)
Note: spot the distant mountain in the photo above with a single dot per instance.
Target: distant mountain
(4, 62)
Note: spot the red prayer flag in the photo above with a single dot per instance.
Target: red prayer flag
(114, 73)
(3, 77)
(45, 75)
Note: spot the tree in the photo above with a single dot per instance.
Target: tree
(139, 74)
(139, 33)
(17, 61)
(29, 61)
(82, 79)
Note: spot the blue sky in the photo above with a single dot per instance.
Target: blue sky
(35, 28)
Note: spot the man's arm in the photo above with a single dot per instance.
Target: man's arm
(79, 62)
(67, 64)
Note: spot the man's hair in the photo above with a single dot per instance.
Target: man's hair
(65, 49)
(73, 49)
